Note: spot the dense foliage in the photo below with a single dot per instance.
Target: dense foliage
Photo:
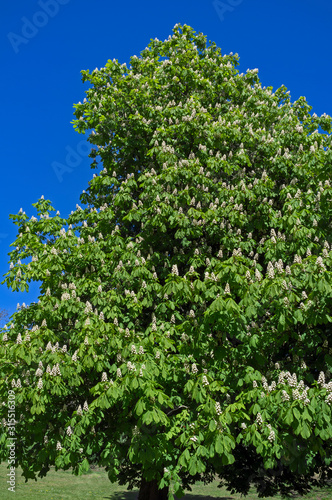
(183, 325)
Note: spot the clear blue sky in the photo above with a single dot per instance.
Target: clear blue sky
(45, 44)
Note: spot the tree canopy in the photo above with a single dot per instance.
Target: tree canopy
(182, 331)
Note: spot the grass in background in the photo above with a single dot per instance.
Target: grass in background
(95, 485)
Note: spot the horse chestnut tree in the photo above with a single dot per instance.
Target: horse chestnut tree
(183, 328)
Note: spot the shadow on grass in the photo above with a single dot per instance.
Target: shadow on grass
(189, 496)
(123, 495)
(132, 495)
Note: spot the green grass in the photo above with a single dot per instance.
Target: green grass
(62, 485)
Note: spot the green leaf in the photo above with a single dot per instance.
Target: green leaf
(219, 448)
(192, 469)
(139, 408)
(256, 408)
(306, 415)
(305, 431)
(147, 417)
(296, 413)
(212, 425)
(282, 320)
(289, 416)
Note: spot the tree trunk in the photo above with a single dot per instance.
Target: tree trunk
(149, 491)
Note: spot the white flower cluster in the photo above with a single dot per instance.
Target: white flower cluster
(270, 270)
(328, 399)
(258, 275)
(88, 307)
(259, 419)
(55, 370)
(320, 263)
(218, 408)
(321, 378)
(131, 367)
(175, 270)
(194, 368)
(285, 396)
(135, 431)
(271, 436)
(133, 349)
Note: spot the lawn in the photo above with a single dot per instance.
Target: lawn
(95, 485)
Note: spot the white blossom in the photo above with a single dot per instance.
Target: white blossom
(218, 408)
(133, 349)
(285, 396)
(321, 378)
(175, 270)
(259, 419)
